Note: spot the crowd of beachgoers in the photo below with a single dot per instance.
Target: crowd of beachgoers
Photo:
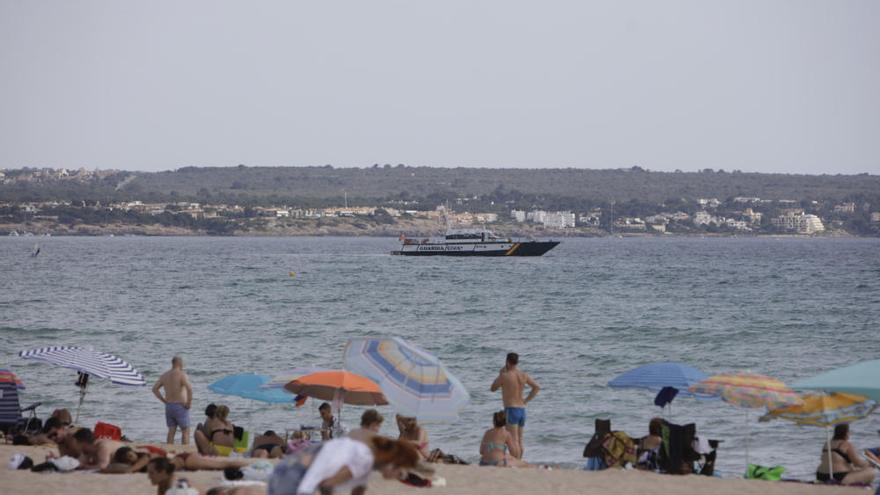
(328, 458)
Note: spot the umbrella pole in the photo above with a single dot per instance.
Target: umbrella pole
(830, 465)
(82, 397)
(748, 437)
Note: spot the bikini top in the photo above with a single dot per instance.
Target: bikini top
(839, 452)
(493, 446)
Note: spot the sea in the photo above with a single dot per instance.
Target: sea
(579, 316)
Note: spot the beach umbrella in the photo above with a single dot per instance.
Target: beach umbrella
(340, 387)
(415, 382)
(825, 410)
(659, 376)
(87, 362)
(287, 376)
(859, 379)
(7, 376)
(748, 390)
(250, 386)
(10, 406)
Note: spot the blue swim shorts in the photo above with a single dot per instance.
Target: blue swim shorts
(516, 416)
(176, 415)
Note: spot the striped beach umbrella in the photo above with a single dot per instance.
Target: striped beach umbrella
(87, 362)
(415, 382)
(7, 376)
(10, 407)
(748, 390)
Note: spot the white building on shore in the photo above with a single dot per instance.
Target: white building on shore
(800, 223)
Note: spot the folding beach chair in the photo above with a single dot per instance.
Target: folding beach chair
(12, 416)
(677, 454)
(593, 450)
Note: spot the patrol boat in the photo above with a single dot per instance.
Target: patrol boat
(472, 242)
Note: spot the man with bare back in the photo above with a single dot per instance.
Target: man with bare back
(177, 400)
(512, 381)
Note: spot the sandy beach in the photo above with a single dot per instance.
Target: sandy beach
(464, 480)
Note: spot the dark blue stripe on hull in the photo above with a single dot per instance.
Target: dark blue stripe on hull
(524, 249)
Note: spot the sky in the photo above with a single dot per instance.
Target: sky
(789, 86)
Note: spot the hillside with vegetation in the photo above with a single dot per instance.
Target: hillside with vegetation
(568, 188)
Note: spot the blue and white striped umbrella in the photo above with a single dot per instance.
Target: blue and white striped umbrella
(88, 361)
(414, 381)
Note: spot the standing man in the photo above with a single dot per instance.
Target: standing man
(512, 381)
(177, 400)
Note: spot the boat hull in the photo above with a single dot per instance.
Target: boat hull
(529, 248)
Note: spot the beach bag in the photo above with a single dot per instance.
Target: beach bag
(757, 472)
(106, 430)
(618, 449)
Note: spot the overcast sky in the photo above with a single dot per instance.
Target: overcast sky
(765, 85)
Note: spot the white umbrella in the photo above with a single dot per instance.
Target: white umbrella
(86, 362)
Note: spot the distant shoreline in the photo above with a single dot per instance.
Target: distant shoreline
(411, 229)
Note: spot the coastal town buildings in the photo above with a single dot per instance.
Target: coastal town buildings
(799, 222)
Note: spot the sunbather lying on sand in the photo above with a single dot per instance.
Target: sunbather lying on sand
(96, 454)
(128, 460)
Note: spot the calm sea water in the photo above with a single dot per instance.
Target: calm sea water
(590, 309)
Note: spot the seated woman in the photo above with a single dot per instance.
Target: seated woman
(342, 464)
(649, 446)
(498, 447)
(202, 434)
(847, 466)
(219, 438)
(411, 431)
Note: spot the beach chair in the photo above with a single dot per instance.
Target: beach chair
(677, 454)
(12, 416)
(593, 449)
(242, 438)
(594, 445)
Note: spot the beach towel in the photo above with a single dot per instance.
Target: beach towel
(757, 472)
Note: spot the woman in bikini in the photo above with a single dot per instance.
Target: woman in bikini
(415, 434)
(498, 447)
(847, 466)
(217, 435)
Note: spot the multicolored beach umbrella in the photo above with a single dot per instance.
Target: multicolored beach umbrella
(7, 376)
(745, 389)
(748, 390)
(10, 407)
(87, 362)
(415, 382)
(825, 410)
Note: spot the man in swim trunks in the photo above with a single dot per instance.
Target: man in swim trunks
(177, 400)
(512, 381)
